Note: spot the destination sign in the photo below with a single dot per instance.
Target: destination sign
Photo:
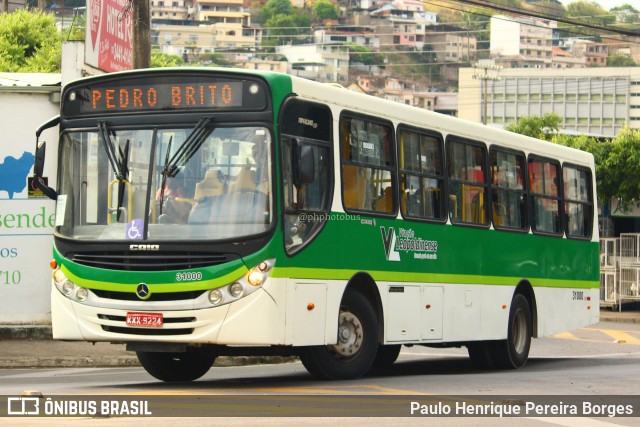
(163, 93)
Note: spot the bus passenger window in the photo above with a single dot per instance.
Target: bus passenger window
(421, 175)
(545, 197)
(367, 165)
(467, 184)
(578, 203)
(508, 207)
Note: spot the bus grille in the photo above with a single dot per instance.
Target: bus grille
(148, 261)
(164, 296)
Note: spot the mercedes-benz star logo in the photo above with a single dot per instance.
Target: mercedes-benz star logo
(142, 290)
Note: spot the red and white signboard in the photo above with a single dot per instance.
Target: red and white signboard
(108, 42)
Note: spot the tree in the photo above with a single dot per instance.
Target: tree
(626, 14)
(541, 127)
(324, 9)
(273, 8)
(160, 59)
(29, 42)
(361, 54)
(591, 12)
(620, 60)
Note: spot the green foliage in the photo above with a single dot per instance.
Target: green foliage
(591, 12)
(275, 7)
(626, 14)
(324, 9)
(620, 60)
(361, 54)
(617, 164)
(29, 42)
(541, 127)
(160, 59)
(617, 161)
(623, 166)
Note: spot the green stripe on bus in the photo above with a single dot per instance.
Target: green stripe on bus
(157, 287)
(399, 277)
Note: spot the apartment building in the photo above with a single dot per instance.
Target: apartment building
(523, 42)
(173, 10)
(324, 63)
(454, 47)
(195, 40)
(596, 101)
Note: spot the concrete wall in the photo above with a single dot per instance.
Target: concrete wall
(25, 223)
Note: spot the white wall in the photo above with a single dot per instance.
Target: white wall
(25, 233)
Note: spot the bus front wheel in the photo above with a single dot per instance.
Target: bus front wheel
(357, 346)
(172, 367)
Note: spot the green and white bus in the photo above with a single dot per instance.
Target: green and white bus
(209, 212)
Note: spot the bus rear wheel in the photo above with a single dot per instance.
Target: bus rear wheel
(172, 367)
(513, 352)
(357, 346)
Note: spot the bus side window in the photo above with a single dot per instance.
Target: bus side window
(508, 205)
(545, 196)
(367, 165)
(421, 175)
(468, 188)
(578, 203)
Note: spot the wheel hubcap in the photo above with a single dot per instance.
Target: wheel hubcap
(519, 331)
(349, 335)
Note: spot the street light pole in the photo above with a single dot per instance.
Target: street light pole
(485, 70)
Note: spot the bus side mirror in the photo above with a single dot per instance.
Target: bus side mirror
(38, 164)
(38, 170)
(304, 164)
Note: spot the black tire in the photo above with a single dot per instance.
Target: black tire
(173, 367)
(480, 353)
(357, 345)
(513, 352)
(386, 356)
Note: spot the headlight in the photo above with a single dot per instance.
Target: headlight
(215, 297)
(82, 294)
(58, 276)
(247, 284)
(236, 290)
(67, 287)
(255, 278)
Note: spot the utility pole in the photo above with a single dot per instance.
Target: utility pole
(141, 34)
(485, 70)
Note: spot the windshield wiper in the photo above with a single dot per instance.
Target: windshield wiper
(119, 165)
(189, 147)
(164, 175)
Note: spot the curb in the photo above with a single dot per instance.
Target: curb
(129, 361)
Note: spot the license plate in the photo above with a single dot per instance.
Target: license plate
(147, 320)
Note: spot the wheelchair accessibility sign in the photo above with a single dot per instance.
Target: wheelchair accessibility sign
(135, 229)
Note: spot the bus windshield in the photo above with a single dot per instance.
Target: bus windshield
(198, 183)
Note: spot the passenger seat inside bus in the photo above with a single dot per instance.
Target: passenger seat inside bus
(246, 180)
(211, 185)
(354, 188)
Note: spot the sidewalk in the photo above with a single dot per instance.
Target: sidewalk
(32, 346)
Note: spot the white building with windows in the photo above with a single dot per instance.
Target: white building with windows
(597, 101)
(324, 63)
(530, 40)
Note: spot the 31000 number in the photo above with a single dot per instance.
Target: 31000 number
(10, 277)
(188, 277)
